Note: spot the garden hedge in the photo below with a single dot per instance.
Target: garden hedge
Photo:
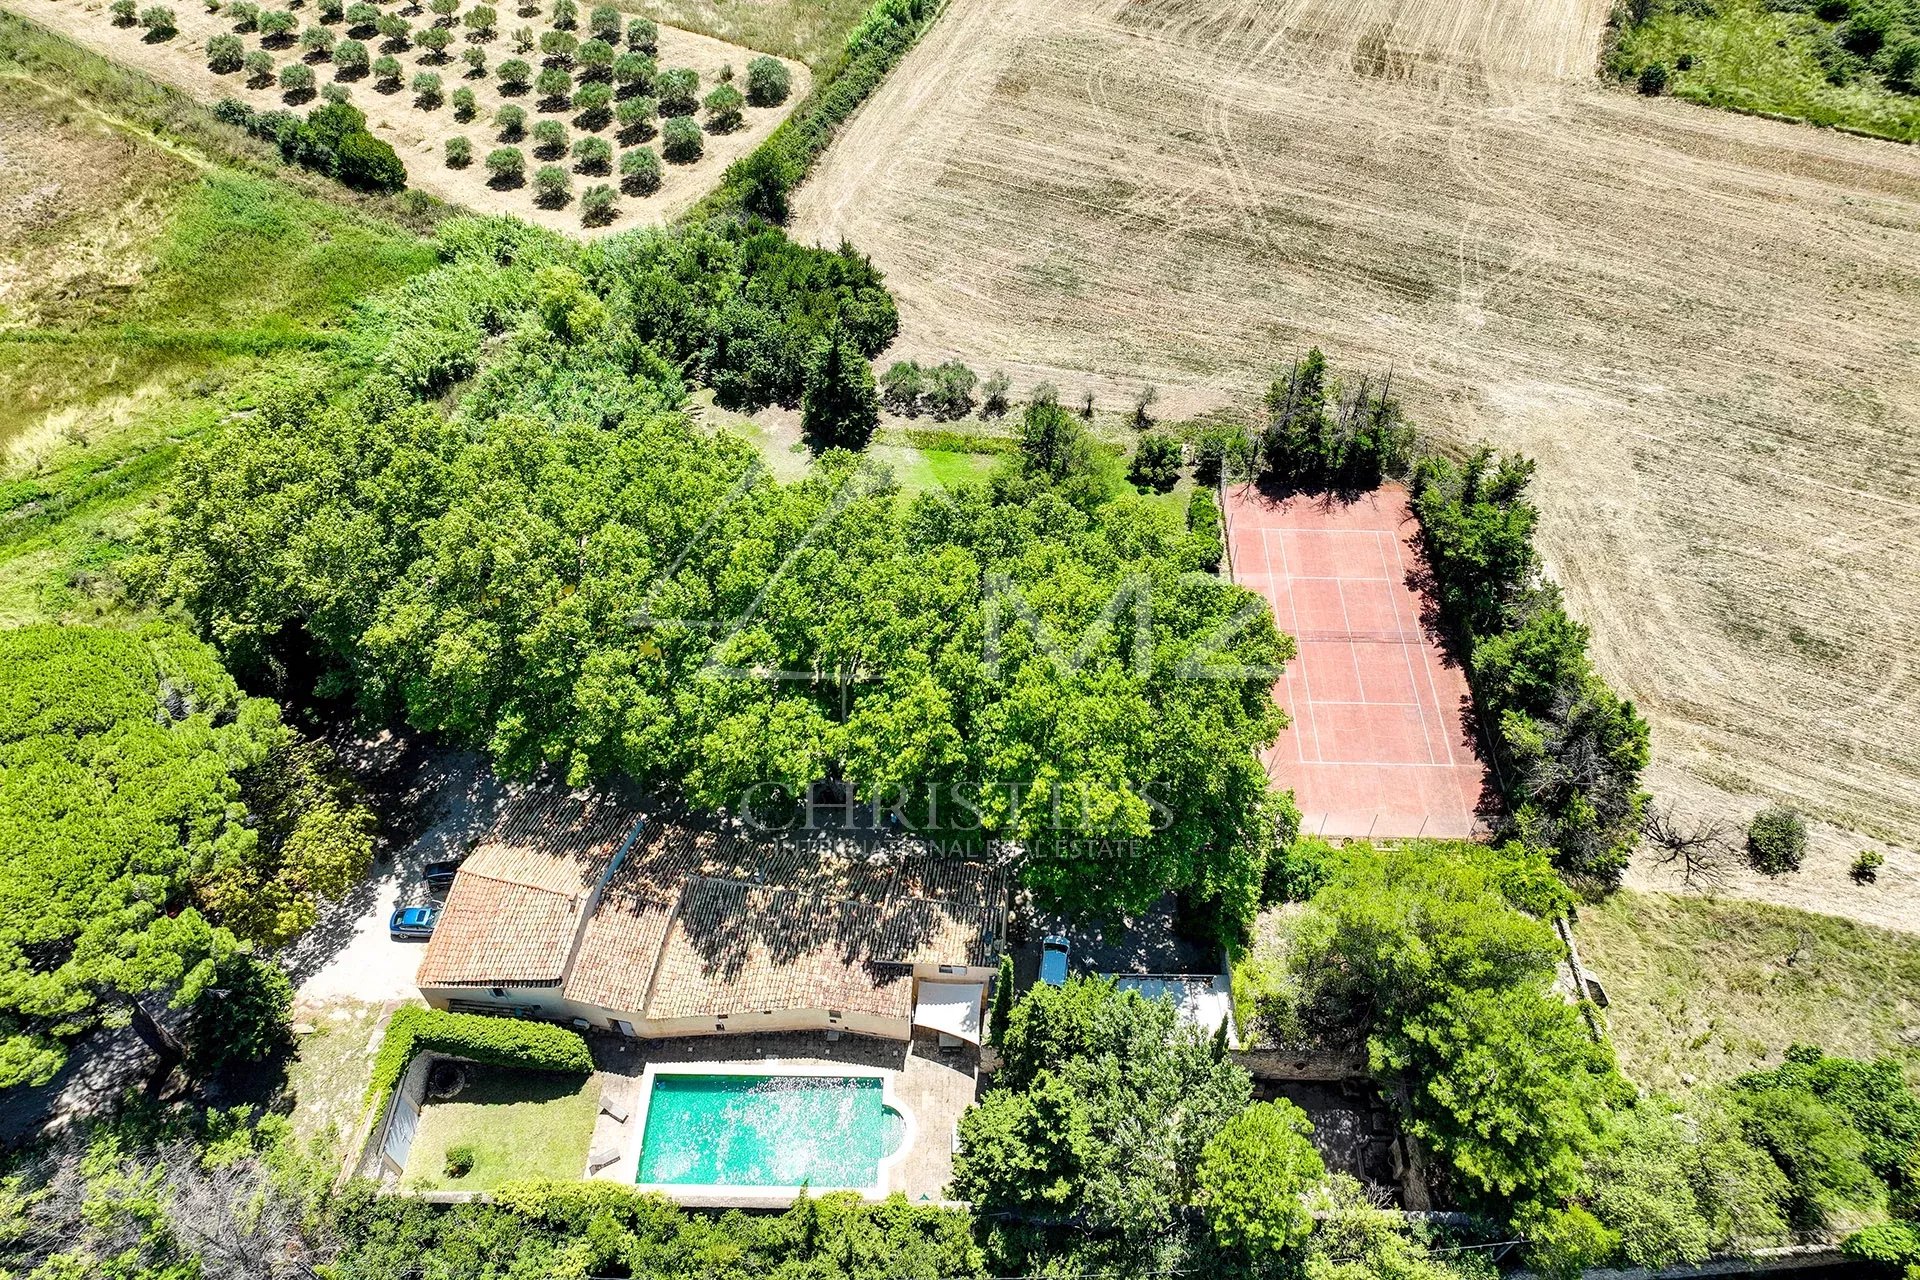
(479, 1037)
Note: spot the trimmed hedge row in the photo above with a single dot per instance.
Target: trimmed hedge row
(759, 182)
(500, 1042)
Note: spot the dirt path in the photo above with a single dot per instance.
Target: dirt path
(1705, 326)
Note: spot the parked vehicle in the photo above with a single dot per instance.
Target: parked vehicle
(439, 876)
(1053, 960)
(413, 922)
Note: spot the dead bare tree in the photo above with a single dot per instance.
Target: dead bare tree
(1703, 852)
(243, 1221)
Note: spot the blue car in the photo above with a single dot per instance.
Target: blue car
(1053, 960)
(413, 922)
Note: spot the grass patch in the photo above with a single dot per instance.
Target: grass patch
(1749, 57)
(922, 469)
(328, 1076)
(1713, 988)
(520, 1124)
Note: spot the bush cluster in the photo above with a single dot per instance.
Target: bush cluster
(1569, 750)
(497, 1042)
(333, 140)
(1322, 433)
(943, 391)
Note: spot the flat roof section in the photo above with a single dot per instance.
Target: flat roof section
(1378, 744)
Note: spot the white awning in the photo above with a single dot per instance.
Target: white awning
(952, 1007)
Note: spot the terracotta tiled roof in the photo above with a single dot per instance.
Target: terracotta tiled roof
(742, 948)
(514, 910)
(695, 922)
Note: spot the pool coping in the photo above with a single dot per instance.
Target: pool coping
(627, 1169)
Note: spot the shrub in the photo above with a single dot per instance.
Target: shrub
(634, 72)
(476, 59)
(460, 1159)
(225, 54)
(595, 59)
(435, 41)
(552, 185)
(1889, 1246)
(680, 140)
(604, 22)
(639, 171)
(335, 92)
(1156, 462)
(1653, 79)
(594, 102)
(635, 118)
(1866, 30)
(514, 75)
(277, 24)
(1203, 522)
(1776, 840)
(1903, 65)
(512, 122)
(549, 139)
(597, 205)
(555, 87)
(566, 14)
(482, 20)
(558, 48)
(949, 393)
(678, 91)
(507, 166)
(993, 400)
(296, 80)
(643, 36)
(523, 41)
(724, 106)
(465, 107)
(362, 16)
(159, 21)
(901, 387)
(496, 1042)
(317, 40)
(122, 12)
(1866, 866)
(592, 155)
(350, 59)
(394, 30)
(245, 13)
(386, 70)
(426, 89)
(331, 10)
(259, 66)
(768, 83)
(443, 9)
(459, 152)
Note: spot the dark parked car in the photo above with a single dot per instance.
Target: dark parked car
(413, 922)
(439, 876)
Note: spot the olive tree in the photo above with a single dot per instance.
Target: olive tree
(680, 140)
(724, 106)
(768, 83)
(592, 155)
(639, 171)
(225, 54)
(552, 185)
(507, 166)
(597, 205)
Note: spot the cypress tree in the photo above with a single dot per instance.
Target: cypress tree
(839, 407)
(1002, 1002)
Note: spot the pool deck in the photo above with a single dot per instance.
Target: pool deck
(933, 1085)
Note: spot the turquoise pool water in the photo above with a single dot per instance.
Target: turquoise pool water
(767, 1131)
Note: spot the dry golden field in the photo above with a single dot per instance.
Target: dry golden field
(1705, 326)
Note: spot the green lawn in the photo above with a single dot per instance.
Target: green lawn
(1749, 57)
(921, 469)
(521, 1124)
(1710, 989)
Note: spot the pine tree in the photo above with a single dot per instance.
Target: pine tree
(1002, 1002)
(840, 406)
(1223, 1038)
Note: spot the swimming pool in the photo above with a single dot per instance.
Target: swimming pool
(753, 1129)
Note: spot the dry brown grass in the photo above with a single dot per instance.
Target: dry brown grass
(1705, 326)
(419, 134)
(1708, 990)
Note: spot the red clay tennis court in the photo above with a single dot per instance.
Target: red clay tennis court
(1378, 744)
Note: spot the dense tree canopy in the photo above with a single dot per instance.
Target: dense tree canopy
(139, 831)
(568, 571)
